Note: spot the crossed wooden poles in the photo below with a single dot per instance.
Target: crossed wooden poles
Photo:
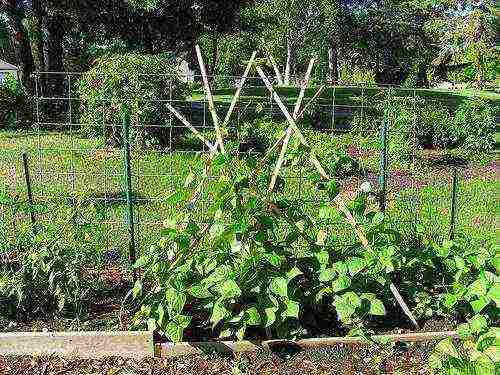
(283, 141)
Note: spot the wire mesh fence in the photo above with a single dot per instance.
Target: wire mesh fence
(76, 156)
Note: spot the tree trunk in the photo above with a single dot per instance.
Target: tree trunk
(23, 56)
(333, 65)
(288, 66)
(53, 54)
(36, 42)
(422, 80)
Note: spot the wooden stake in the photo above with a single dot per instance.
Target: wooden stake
(289, 130)
(364, 241)
(279, 77)
(293, 124)
(210, 99)
(238, 90)
(339, 199)
(200, 136)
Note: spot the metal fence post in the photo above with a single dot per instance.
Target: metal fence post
(383, 163)
(27, 179)
(454, 197)
(128, 181)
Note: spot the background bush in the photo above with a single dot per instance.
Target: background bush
(15, 109)
(142, 80)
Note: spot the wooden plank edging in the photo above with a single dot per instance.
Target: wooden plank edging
(95, 345)
(78, 344)
(195, 348)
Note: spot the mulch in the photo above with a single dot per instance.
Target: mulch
(404, 359)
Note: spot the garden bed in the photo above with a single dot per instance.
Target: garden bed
(131, 353)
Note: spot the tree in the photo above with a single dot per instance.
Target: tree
(50, 30)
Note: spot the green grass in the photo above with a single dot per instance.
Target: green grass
(347, 95)
(64, 166)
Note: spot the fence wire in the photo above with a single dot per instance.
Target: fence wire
(75, 159)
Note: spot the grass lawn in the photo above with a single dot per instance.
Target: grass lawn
(64, 166)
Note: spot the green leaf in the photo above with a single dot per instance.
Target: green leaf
(322, 257)
(459, 262)
(376, 307)
(230, 289)
(253, 316)
(137, 289)
(346, 305)
(279, 286)
(449, 300)
(161, 314)
(327, 274)
(464, 330)
(293, 273)
(328, 212)
(479, 304)
(216, 230)
(332, 188)
(477, 288)
(478, 323)
(175, 328)
(341, 268)
(151, 324)
(175, 301)
(378, 218)
(446, 348)
(199, 291)
(273, 259)
(141, 262)
(292, 309)
(219, 312)
(355, 265)
(270, 315)
(494, 293)
(341, 283)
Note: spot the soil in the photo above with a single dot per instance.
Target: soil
(404, 359)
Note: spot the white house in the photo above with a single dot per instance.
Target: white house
(6, 68)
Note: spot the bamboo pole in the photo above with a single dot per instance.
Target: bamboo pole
(289, 130)
(200, 136)
(238, 90)
(279, 77)
(293, 124)
(210, 99)
(339, 199)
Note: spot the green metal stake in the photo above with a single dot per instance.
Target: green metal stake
(128, 180)
(383, 164)
(27, 179)
(454, 196)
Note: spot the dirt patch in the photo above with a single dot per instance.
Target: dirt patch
(334, 360)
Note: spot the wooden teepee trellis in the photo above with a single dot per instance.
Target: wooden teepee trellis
(283, 141)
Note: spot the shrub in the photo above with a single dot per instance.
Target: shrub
(47, 276)
(142, 82)
(475, 124)
(356, 75)
(435, 127)
(238, 268)
(15, 110)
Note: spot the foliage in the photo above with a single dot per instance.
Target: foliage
(49, 276)
(260, 262)
(136, 80)
(15, 109)
(359, 76)
(477, 353)
(475, 122)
